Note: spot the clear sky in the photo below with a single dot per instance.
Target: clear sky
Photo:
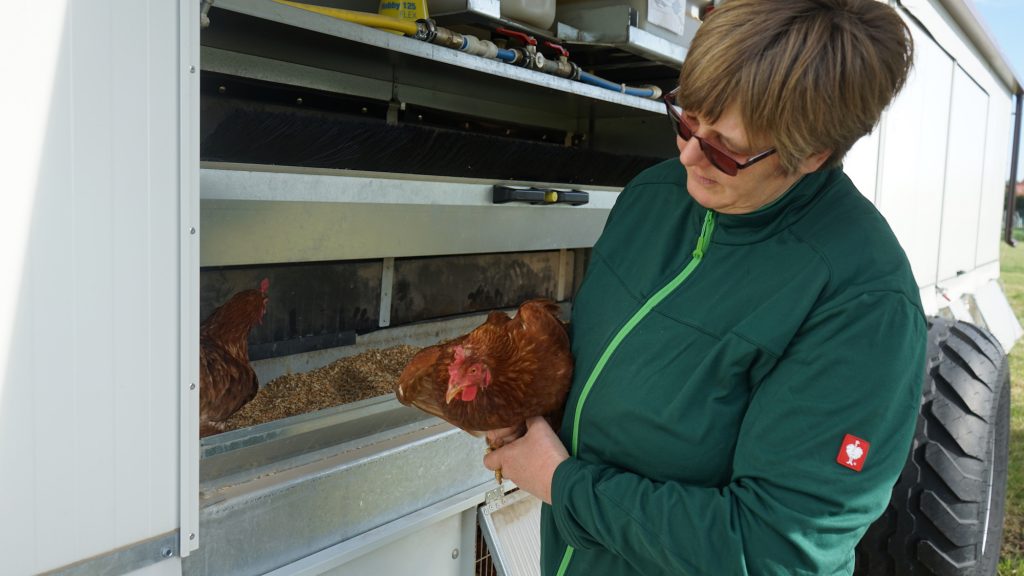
(1005, 22)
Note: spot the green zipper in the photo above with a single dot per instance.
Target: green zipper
(698, 254)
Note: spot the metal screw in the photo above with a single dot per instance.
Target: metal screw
(191, 69)
(192, 230)
(298, 101)
(364, 110)
(166, 552)
(192, 387)
(419, 117)
(222, 89)
(192, 535)
(455, 553)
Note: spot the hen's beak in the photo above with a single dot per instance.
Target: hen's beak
(453, 392)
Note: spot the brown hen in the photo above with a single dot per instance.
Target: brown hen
(503, 372)
(226, 379)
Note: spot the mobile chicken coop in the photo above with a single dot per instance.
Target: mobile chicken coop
(162, 155)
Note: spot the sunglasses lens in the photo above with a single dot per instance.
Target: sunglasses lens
(719, 160)
(684, 131)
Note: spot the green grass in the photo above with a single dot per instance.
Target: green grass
(1012, 557)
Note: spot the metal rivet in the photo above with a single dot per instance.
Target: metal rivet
(222, 89)
(298, 101)
(455, 553)
(419, 117)
(364, 110)
(192, 387)
(191, 69)
(166, 552)
(192, 230)
(192, 535)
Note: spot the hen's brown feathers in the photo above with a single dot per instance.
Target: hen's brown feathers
(529, 360)
(226, 379)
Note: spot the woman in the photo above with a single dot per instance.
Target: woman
(749, 339)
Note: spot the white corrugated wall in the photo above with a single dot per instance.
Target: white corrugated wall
(90, 303)
(942, 160)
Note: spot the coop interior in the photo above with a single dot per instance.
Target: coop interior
(356, 172)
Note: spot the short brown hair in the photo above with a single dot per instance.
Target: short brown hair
(810, 75)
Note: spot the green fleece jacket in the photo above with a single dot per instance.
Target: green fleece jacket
(746, 386)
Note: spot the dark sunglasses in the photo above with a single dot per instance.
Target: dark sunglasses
(718, 159)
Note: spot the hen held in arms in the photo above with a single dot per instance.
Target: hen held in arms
(226, 379)
(505, 371)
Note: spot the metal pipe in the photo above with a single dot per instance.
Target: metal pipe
(1011, 192)
(652, 92)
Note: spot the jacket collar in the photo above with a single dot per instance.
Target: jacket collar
(772, 218)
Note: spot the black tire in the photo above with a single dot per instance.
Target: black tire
(946, 512)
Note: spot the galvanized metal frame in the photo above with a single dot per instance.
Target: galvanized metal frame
(287, 513)
(376, 538)
(262, 214)
(125, 559)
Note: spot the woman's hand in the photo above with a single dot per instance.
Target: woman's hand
(530, 461)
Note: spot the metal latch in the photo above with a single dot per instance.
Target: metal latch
(504, 194)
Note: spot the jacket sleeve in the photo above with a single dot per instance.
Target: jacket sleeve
(790, 506)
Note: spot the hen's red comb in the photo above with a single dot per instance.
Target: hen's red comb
(265, 285)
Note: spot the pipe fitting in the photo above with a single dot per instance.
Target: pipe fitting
(478, 47)
(426, 30)
(561, 68)
(655, 91)
(448, 38)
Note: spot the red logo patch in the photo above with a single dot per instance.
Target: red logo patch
(853, 452)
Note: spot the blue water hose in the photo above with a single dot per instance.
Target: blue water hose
(622, 88)
(506, 55)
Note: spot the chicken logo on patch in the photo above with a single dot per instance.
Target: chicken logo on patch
(853, 453)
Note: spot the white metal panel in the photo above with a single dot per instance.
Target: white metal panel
(861, 163)
(997, 170)
(998, 314)
(88, 403)
(965, 165)
(27, 147)
(944, 30)
(914, 139)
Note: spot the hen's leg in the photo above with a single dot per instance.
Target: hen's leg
(491, 448)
